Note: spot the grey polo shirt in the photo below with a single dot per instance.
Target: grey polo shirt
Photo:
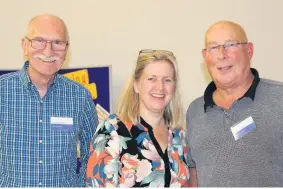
(256, 159)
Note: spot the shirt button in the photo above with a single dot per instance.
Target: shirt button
(40, 161)
(40, 141)
(40, 184)
(41, 101)
(40, 121)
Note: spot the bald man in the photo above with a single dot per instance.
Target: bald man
(236, 128)
(43, 114)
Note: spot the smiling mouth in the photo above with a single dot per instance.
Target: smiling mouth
(158, 95)
(225, 68)
(47, 60)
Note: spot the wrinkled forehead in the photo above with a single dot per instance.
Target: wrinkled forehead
(223, 32)
(48, 28)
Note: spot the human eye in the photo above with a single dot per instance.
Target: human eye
(168, 80)
(59, 45)
(213, 48)
(38, 40)
(57, 42)
(151, 78)
(230, 45)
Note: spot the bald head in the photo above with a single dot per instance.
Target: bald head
(50, 22)
(232, 30)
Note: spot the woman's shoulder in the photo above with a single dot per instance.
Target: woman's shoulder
(108, 124)
(113, 119)
(112, 123)
(179, 132)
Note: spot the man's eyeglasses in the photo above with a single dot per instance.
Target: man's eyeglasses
(40, 44)
(229, 46)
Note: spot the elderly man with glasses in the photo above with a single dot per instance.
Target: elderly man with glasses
(43, 114)
(235, 129)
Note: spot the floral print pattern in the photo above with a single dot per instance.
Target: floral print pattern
(128, 155)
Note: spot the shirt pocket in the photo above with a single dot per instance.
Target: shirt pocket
(65, 136)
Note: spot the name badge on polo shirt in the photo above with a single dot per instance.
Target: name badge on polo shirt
(62, 123)
(244, 127)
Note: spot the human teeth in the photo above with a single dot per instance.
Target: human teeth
(158, 95)
(224, 68)
(47, 60)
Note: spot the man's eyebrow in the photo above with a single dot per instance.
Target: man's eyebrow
(211, 43)
(215, 43)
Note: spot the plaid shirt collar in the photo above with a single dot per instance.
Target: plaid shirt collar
(24, 77)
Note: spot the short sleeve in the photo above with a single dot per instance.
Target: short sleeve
(103, 163)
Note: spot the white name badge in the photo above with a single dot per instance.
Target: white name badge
(61, 123)
(244, 127)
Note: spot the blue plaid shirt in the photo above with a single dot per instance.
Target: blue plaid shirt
(32, 152)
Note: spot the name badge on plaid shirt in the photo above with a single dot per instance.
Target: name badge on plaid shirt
(62, 123)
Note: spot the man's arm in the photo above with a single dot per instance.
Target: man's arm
(193, 177)
(192, 170)
(191, 162)
(89, 124)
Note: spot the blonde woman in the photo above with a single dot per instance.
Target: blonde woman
(143, 145)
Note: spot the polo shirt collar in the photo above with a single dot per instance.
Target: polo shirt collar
(208, 100)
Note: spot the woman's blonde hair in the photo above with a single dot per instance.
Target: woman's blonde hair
(128, 103)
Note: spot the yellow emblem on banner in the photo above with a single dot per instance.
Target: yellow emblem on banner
(92, 88)
(82, 77)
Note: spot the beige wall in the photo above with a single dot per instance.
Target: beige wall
(112, 32)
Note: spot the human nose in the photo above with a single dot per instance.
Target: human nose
(48, 51)
(220, 52)
(160, 85)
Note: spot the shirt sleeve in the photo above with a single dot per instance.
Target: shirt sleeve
(89, 124)
(103, 164)
(190, 161)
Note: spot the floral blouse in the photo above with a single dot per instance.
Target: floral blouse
(128, 155)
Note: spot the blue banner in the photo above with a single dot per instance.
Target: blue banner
(96, 79)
